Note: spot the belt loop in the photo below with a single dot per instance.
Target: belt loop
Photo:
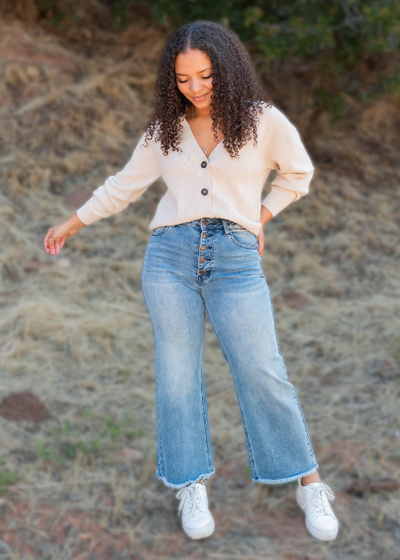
(226, 227)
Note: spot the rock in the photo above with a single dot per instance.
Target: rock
(23, 405)
(62, 263)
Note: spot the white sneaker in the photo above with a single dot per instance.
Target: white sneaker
(314, 501)
(197, 521)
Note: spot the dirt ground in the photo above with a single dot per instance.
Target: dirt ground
(77, 411)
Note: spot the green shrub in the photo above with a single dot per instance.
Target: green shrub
(104, 434)
(348, 41)
(340, 36)
(289, 28)
(7, 478)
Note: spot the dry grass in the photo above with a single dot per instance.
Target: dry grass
(74, 331)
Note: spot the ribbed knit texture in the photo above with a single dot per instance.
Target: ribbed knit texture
(232, 186)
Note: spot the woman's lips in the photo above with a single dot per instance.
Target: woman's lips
(198, 99)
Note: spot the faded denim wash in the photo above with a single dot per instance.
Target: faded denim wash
(180, 288)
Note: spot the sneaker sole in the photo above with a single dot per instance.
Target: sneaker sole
(322, 535)
(201, 533)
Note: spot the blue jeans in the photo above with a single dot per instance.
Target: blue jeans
(213, 266)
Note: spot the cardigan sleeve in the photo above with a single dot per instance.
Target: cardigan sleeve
(125, 187)
(286, 153)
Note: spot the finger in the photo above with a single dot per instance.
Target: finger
(260, 246)
(57, 246)
(52, 248)
(47, 240)
(62, 241)
(48, 243)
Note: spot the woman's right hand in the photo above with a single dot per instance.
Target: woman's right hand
(56, 236)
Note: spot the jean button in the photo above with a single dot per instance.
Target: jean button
(204, 236)
(203, 248)
(202, 260)
(204, 222)
(203, 164)
(202, 272)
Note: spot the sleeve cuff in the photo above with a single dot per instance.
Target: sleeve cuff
(277, 199)
(86, 216)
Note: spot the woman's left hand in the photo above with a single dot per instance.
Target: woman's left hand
(260, 239)
(56, 236)
(265, 216)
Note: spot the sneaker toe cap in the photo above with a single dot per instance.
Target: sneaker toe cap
(199, 527)
(324, 528)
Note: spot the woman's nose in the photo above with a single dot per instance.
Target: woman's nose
(196, 85)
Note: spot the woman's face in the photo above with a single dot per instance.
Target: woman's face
(193, 72)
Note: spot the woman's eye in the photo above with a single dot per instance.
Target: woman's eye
(203, 78)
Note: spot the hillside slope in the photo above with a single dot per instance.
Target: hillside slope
(74, 330)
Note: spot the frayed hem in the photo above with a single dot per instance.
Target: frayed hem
(177, 486)
(284, 480)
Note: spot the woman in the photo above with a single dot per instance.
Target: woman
(214, 137)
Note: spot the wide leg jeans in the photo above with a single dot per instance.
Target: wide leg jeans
(212, 267)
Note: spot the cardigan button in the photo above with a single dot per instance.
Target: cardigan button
(204, 192)
(203, 164)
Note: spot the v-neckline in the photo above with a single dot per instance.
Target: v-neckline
(194, 138)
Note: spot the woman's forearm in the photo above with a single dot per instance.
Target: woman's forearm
(74, 223)
(265, 215)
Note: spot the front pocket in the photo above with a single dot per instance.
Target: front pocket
(160, 230)
(244, 238)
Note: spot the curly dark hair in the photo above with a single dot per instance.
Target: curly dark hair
(237, 98)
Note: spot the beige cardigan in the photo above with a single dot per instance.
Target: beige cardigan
(217, 187)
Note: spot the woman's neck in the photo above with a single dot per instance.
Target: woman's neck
(193, 112)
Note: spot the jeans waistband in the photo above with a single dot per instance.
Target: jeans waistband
(213, 223)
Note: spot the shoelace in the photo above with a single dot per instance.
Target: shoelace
(190, 495)
(320, 498)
